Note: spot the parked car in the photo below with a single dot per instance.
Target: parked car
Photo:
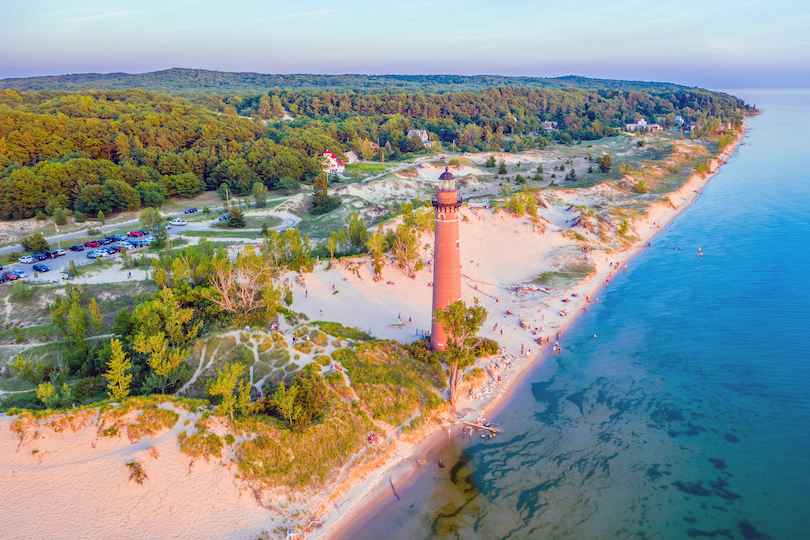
(190, 211)
(11, 276)
(128, 245)
(27, 259)
(41, 268)
(20, 273)
(92, 243)
(116, 248)
(108, 250)
(119, 237)
(104, 241)
(40, 256)
(178, 222)
(224, 217)
(135, 234)
(54, 253)
(77, 247)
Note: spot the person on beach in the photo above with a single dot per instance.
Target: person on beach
(129, 275)
(448, 433)
(306, 294)
(594, 337)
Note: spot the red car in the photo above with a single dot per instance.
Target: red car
(92, 243)
(135, 234)
(11, 277)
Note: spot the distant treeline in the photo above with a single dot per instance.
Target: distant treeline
(116, 150)
(191, 82)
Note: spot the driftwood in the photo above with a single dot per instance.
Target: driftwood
(391, 479)
(479, 426)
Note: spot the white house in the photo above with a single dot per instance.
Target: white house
(332, 165)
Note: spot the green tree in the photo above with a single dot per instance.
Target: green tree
(461, 323)
(606, 163)
(47, 394)
(236, 218)
(101, 217)
(36, 243)
(376, 247)
(283, 400)
(162, 329)
(641, 186)
(502, 167)
(234, 396)
(60, 216)
(290, 184)
(153, 222)
(490, 162)
(259, 193)
(118, 380)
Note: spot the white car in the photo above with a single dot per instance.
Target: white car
(27, 259)
(178, 222)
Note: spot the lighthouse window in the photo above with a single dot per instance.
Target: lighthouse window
(441, 217)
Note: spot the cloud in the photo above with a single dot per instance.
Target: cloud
(259, 19)
(106, 14)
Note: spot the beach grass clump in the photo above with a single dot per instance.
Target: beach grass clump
(150, 422)
(303, 346)
(566, 276)
(200, 444)
(343, 332)
(136, 472)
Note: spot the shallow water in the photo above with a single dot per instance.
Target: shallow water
(689, 415)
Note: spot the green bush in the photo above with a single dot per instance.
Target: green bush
(79, 217)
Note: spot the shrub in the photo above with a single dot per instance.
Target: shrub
(136, 472)
(344, 332)
(79, 217)
(35, 243)
(60, 216)
(201, 444)
(93, 232)
(151, 421)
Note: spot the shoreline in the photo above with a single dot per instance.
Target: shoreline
(369, 495)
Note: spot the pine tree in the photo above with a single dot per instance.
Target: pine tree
(502, 167)
(117, 376)
(236, 218)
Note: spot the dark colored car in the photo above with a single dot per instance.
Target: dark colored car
(109, 250)
(92, 243)
(41, 268)
(11, 277)
(77, 247)
(104, 241)
(224, 217)
(52, 254)
(116, 248)
(119, 237)
(190, 211)
(40, 256)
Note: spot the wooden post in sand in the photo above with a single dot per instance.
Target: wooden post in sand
(446, 254)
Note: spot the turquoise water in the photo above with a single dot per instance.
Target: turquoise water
(689, 417)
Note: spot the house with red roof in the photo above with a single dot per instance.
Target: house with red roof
(331, 164)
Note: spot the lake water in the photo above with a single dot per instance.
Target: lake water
(689, 416)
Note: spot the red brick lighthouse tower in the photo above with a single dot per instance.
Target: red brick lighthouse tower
(446, 258)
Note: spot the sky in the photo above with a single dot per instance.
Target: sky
(706, 43)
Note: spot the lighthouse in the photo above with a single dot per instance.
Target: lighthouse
(446, 255)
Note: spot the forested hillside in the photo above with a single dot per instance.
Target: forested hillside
(190, 82)
(117, 150)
